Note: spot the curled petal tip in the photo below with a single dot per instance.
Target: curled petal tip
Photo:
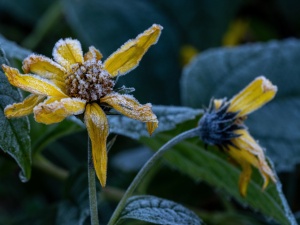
(267, 85)
(151, 127)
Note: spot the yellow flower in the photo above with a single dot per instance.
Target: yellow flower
(222, 125)
(74, 84)
(187, 53)
(236, 33)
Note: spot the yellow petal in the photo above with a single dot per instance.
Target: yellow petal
(245, 177)
(68, 52)
(249, 151)
(129, 106)
(93, 53)
(45, 68)
(57, 111)
(128, 56)
(151, 127)
(97, 127)
(23, 108)
(32, 83)
(255, 95)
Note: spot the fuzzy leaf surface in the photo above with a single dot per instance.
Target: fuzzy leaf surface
(13, 50)
(158, 211)
(14, 135)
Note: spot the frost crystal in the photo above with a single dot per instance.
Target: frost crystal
(89, 81)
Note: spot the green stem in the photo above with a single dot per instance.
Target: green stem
(48, 167)
(92, 187)
(148, 165)
(44, 25)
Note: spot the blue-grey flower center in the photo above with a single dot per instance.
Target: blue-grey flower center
(218, 127)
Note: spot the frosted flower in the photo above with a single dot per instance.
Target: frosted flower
(222, 125)
(74, 84)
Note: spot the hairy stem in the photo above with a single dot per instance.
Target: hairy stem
(92, 187)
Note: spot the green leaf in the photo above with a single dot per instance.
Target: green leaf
(110, 23)
(14, 137)
(224, 72)
(214, 168)
(168, 117)
(159, 211)
(13, 50)
(42, 135)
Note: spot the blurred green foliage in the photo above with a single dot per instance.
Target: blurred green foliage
(59, 196)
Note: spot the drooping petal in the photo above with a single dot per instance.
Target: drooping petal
(50, 112)
(93, 53)
(255, 95)
(32, 83)
(128, 56)
(129, 106)
(151, 127)
(45, 68)
(67, 52)
(23, 108)
(245, 177)
(97, 127)
(249, 151)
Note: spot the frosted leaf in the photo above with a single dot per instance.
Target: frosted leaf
(15, 141)
(159, 211)
(168, 117)
(13, 50)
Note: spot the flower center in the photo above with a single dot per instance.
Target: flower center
(89, 81)
(218, 127)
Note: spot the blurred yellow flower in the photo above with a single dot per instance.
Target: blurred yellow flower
(187, 53)
(222, 125)
(74, 84)
(236, 33)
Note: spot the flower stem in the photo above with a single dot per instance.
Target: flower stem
(147, 166)
(92, 187)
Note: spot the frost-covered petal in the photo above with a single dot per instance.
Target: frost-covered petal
(93, 53)
(151, 127)
(23, 108)
(256, 94)
(45, 68)
(67, 52)
(97, 127)
(32, 83)
(129, 55)
(50, 111)
(249, 151)
(129, 106)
